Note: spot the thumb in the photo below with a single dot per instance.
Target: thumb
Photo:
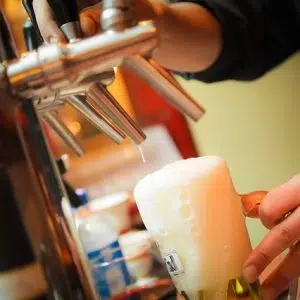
(251, 203)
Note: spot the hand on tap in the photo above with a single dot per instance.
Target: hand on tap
(89, 20)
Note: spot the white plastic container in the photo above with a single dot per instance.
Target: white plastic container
(117, 206)
(136, 246)
(100, 242)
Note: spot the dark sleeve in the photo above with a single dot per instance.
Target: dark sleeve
(257, 36)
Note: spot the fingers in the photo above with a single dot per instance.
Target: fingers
(47, 26)
(279, 202)
(280, 238)
(282, 277)
(251, 203)
(89, 18)
(89, 22)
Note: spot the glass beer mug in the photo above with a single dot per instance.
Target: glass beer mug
(196, 217)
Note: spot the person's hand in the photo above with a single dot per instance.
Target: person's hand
(284, 235)
(89, 18)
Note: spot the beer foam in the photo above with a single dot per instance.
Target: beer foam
(176, 174)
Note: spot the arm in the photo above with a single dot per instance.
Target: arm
(255, 36)
(190, 37)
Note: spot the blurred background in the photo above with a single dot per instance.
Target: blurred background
(254, 126)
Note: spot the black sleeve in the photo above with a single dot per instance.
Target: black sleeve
(257, 36)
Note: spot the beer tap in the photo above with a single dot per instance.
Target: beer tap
(62, 66)
(98, 96)
(56, 123)
(77, 102)
(117, 16)
(55, 67)
(50, 116)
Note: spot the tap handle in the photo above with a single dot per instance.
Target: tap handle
(67, 17)
(8, 48)
(28, 5)
(31, 38)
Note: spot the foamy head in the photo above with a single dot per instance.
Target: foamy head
(177, 174)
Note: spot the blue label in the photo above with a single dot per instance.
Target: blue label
(110, 271)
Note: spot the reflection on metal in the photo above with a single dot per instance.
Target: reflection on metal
(54, 67)
(101, 98)
(95, 118)
(55, 122)
(72, 31)
(170, 92)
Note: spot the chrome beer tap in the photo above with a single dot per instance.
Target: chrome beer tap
(117, 17)
(117, 22)
(77, 102)
(55, 67)
(53, 119)
(98, 96)
(50, 115)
